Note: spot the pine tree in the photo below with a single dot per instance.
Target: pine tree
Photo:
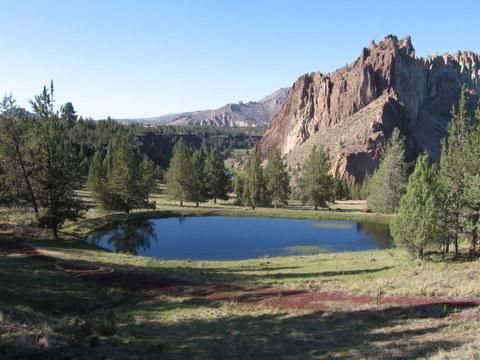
(277, 179)
(178, 173)
(15, 129)
(97, 179)
(196, 178)
(471, 180)
(254, 191)
(69, 114)
(364, 186)
(418, 223)
(341, 189)
(452, 166)
(239, 185)
(316, 185)
(56, 177)
(123, 179)
(216, 177)
(387, 184)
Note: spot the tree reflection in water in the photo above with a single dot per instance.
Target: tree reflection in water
(130, 237)
(378, 232)
(222, 238)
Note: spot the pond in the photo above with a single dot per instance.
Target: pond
(234, 238)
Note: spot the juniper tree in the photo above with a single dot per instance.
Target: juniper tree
(277, 179)
(216, 177)
(387, 185)
(316, 185)
(418, 223)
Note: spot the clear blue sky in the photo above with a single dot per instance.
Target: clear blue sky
(146, 58)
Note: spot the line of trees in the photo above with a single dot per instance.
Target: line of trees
(196, 176)
(272, 185)
(441, 205)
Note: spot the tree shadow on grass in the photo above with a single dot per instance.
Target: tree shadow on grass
(35, 291)
(285, 276)
(398, 333)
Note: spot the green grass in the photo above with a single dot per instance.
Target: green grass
(122, 314)
(240, 152)
(305, 250)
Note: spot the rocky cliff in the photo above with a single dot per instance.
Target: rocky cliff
(354, 110)
(250, 114)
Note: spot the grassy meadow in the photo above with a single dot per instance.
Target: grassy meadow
(67, 299)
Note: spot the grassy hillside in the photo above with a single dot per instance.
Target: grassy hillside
(62, 299)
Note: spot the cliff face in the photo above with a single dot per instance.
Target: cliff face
(354, 110)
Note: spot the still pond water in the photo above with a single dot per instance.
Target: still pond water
(231, 238)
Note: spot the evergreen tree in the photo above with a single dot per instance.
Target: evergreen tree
(359, 190)
(216, 177)
(123, 180)
(341, 189)
(254, 190)
(56, 177)
(387, 184)
(452, 167)
(355, 191)
(239, 183)
(196, 178)
(364, 186)
(178, 173)
(316, 185)
(14, 154)
(471, 191)
(277, 179)
(68, 113)
(418, 223)
(97, 179)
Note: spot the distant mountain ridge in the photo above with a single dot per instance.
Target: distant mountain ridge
(250, 114)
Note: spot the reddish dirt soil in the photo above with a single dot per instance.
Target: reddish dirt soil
(295, 299)
(321, 300)
(26, 251)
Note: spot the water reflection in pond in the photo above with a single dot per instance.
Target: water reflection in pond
(223, 238)
(129, 237)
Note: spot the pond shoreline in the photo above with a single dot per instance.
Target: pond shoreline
(87, 226)
(214, 235)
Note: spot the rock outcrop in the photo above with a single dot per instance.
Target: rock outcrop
(354, 110)
(250, 114)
